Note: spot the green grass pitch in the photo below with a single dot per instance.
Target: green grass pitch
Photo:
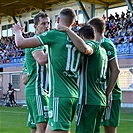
(13, 120)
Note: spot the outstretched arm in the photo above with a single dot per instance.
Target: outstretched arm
(22, 42)
(77, 41)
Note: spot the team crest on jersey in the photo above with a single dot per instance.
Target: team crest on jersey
(44, 34)
(109, 53)
(46, 108)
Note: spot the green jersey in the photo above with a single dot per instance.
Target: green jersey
(64, 61)
(37, 74)
(93, 76)
(111, 53)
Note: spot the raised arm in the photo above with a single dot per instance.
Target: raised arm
(77, 41)
(22, 42)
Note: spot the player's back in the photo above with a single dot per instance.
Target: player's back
(95, 67)
(64, 61)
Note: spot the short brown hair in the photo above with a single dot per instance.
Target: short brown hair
(87, 31)
(67, 15)
(40, 14)
(98, 24)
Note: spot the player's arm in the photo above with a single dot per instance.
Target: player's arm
(22, 42)
(114, 72)
(24, 74)
(77, 41)
(40, 57)
(24, 78)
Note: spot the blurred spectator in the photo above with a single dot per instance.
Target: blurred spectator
(116, 15)
(117, 27)
(104, 17)
(122, 15)
(129, 31)
(76, 27)
(111, 17)
(8, 49)
(11, 95)
(128, 14)
(131, 39)
(120, 29)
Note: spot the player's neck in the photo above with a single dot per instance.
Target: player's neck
(99, 37)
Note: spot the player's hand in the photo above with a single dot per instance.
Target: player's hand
(62, 27)
(107, 100)
(17, 28)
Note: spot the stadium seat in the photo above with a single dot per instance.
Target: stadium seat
(131, 48)
(119, 48)
(11, 60)
(125, 48)
(14, 60)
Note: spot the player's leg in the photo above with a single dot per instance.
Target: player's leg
(33, 130)
(110, 129)
(99, 118)
(41, 127)
(61, 114)
(87, 118)
(48, 130)
(112, 117)
(38, 108)
(42, 123)
(31, 124)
